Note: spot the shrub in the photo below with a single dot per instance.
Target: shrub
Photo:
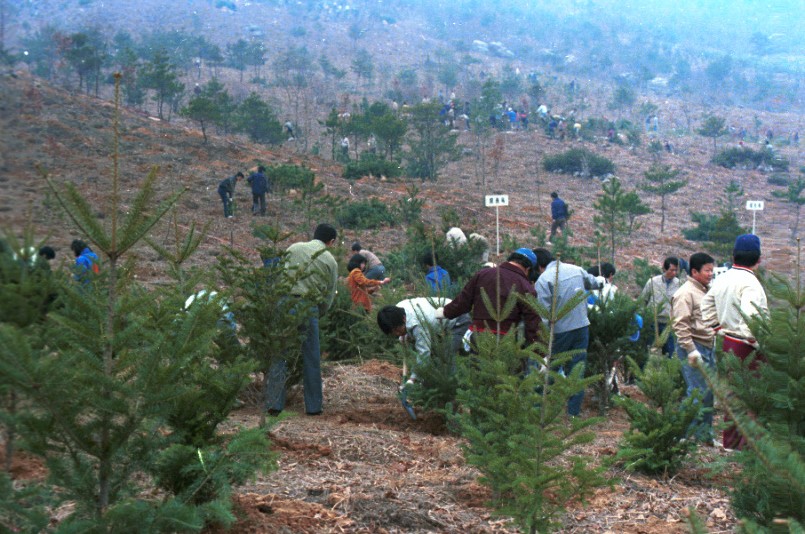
(364, 215)
(631, 131)
(779, 179)
(371, 165)
(285, 177)
(346, 332)
(578, 160)
(461, 262)
(747, 158)
(719, 230)
(596, 126)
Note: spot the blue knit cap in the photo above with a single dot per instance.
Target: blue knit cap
(747, 243)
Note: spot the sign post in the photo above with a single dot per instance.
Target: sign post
(497, 201)
(754, 206)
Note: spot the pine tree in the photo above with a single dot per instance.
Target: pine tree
(660, 181)
(714, 127)
(611, 324)
(516, 426)
(160, 75)
(612, 213)
(792, 196)
(268, 318)
(28, 291)
(255, 118)
(656, 441)
(432, 144)
(770, 490)
(112, 400)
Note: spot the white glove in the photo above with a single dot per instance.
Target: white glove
(695, 358)
(440, 313)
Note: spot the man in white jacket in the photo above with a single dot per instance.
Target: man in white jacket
(735, 295)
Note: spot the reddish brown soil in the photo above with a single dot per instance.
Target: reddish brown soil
(364, 466)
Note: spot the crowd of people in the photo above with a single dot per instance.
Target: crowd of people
(693, 317)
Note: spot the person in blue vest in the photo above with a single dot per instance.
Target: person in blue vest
(438, 279)
(259, 184)
(558, 215)
(86, 261)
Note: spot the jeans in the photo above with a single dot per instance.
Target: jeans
(378, 272)
(258, 203)
(567, 341)
(702, 426)
(277, 375)
(227, 203)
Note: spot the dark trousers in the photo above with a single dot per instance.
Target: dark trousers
(558, 224)
(577, 339)
(274, 386)
(258, 203)
(378, 272)
(227, 203)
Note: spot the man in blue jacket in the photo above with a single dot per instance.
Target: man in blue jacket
(86, 261)
(259, 184)
(558, 215)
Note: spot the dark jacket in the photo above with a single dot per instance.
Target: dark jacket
(512, 279)
(227, 187)
(259, 183)
(558, 209)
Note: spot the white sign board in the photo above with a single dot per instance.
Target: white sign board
(496, 201)
(493, 201)
(754, 205)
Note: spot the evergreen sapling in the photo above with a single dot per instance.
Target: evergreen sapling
(657, 439)
(514, 419)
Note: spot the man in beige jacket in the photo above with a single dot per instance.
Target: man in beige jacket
(695, 339)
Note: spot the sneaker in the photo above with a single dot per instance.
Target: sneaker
(548, 243)
(230, 216)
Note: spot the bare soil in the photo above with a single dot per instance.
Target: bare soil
(365, 466)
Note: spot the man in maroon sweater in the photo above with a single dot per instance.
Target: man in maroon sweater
(499, 283)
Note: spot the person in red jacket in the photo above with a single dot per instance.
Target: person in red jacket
(499, 283)
(359, 286)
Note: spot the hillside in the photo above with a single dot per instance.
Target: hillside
(69, 137)
(364, 466)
